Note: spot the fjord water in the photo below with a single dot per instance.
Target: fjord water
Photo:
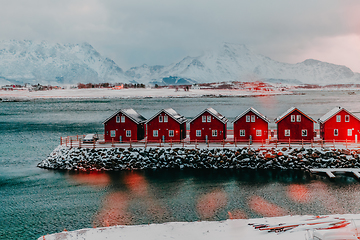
(35, 202)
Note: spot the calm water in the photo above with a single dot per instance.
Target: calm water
(35, 201)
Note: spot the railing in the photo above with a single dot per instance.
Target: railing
(77, 141)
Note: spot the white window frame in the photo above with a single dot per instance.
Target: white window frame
(166, 118)
(292, 118)
(155, 133)
(117, 119)
(347, 118)
(128, 133)
(287, 132)
(208, 118)
(122, 119)
(160, 118)
(349, 132)
(336, 132)
(203, 118)
(214, 133)
(171, 133)
(338, 118)
(112, 133)
(248, 118)
(198, 133)
(252, 118)
(258, 132)
(242, 132)
(304, 132)
(298, 118)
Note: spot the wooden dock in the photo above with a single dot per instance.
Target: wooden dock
(330, 171)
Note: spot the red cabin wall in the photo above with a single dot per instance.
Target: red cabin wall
(206, 128)
(120, 129)
(327, 128)
(164, 127)
(295, 128)
(250, 128)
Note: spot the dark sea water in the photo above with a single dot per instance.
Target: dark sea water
(35, 202)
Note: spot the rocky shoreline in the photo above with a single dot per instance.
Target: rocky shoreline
(113, 159)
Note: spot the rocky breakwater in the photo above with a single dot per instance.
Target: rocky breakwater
(108, 159)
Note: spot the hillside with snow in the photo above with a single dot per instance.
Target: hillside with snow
(50, 63)
(47, 63)
(235, 62)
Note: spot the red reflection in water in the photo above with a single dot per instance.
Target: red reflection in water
(237, 214)
(298, 193)
(97, 179)
(136, 183)
(210, 203)
(265, 208)
(114, 211)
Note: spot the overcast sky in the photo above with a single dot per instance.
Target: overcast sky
(136, 32)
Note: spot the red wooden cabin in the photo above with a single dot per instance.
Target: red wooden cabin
(251, 125)
(208, 125)
(339, 125)
(295, 125)
(166, 125)
(124, 125)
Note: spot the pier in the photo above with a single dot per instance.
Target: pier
(330, 171)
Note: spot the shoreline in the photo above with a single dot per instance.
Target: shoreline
(125, 159)
(103, 93)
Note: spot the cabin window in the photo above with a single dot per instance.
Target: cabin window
(247, 118)
(160, 118)
(122, 119)
(258, 133)
(304, 132)
(242, 133)
(214, 133)
(165, 118)
(252, 118)
(208, 118)
(198, 133)
(117, 119)
(336, 132)
(298, 118)
(292, 118)
(112, 133)
(155, 133)
(203, 118)
(349, 132)
(338, 118)
(128, 133)
(347, 118)
(171, 133)
(287, 132)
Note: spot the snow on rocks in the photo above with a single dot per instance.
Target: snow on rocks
(108, 159)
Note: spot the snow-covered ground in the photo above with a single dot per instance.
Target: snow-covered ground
(127, 93)
(299, 228)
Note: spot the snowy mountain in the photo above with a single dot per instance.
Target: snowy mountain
(57, 64)
(235, 62)
(45, 63)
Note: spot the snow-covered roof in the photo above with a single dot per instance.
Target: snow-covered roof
(251, 109)
(172, 113)
(130, 113)
(214, 113)
(333, 112)
(289, 111)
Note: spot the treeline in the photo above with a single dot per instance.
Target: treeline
(110, 85)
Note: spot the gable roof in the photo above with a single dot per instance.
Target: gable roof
(172, 113)
(251, 109)
(333, 112)
(288, 112)
(214, 113)
(130, 113)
